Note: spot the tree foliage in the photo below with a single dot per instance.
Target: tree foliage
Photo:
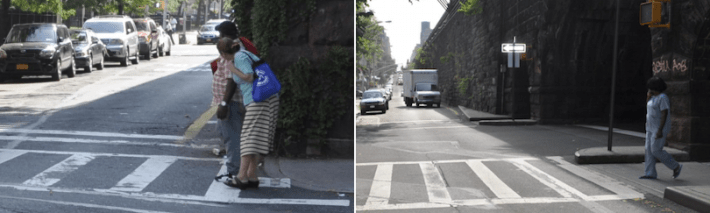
(470, 7)
(369, 46)
(67, 8)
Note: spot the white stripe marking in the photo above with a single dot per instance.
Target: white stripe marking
(489, 178)
(211, 122)
(473, 202)
(597, 178)
(435, 186)
(108, 142)
(441, 161)
(624, 132)
(380, 188)
(55, 173)
(7, 155)
(114, 155)
(423, 128)
(144, 174)
(546, 179)
(97, 134)
(81, 204)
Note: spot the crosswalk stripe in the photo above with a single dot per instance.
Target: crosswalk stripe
(96, 154)
(435, 186)
(546, 179)
(6, 155)
(380, 188)
(88, 133)
(491, 180)
(55, 173)
(144, 174)
(105, 142)
(602, 180)
(220, 192)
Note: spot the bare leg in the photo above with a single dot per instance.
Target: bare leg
(244, 168)
(251, 173)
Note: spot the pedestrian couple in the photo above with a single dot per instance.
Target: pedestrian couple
(658, 126)
(247, 127)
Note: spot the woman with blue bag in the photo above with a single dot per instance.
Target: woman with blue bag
(260, 119)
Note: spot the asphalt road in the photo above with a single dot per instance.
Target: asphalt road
(116, 140)
(413, 159)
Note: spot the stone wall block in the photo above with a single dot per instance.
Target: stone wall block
(680, 104)
(329, 27)
(677, 87)
(702, 126)
(680, 130)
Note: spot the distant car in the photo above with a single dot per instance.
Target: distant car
(89, 50)
(388, 89)
(119, 35)
(165, 46)
(400, 81)
(148, 37)
(207, 34)
(388, 94)
(373, 99)
(37, 49)
(215, 21)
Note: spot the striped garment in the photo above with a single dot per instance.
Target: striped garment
(259, 127)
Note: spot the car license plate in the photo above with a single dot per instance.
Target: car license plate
(372, 106)
(209, 40)
(22, 66)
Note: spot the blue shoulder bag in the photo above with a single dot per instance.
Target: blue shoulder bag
(265, 83)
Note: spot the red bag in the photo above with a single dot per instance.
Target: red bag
(213, 64)
(249, 46)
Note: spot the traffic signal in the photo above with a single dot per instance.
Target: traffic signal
(160, 4)
(655, 13)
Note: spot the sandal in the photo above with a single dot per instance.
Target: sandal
(253, 184)
(234, 182)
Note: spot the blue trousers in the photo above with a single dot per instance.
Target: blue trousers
(231, 130)
(654, 150)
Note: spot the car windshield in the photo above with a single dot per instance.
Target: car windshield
(142, 26)
(105, 27)
(372, 95)
(31, 33)
(78, 37)
(207, 28)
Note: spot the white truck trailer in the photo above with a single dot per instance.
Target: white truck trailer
(421, 87)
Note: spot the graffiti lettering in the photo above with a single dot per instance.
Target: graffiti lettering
(660, 66)
(679, 66)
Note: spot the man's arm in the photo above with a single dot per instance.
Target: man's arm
(222, 111)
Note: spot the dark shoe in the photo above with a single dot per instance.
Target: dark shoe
(253, 184)
(676, 171)
(234, 182)
(647, 177)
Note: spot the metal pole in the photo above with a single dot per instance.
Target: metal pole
(165, 2)
(613, 78)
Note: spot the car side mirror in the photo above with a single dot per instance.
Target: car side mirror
(60, 40)
(154, 31)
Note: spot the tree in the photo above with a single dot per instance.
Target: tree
(65, 8)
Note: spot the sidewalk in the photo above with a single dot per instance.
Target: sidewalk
(691, 189)
(331, 175)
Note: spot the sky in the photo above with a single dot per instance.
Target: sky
(405, 28)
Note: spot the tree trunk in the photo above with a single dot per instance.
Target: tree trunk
(5, 24)
(200, 8)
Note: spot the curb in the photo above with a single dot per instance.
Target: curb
(689, 196)
(508, 122)
(622, 154)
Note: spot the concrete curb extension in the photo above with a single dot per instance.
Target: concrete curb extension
(693, 197)
(272, 168)
(622, 154)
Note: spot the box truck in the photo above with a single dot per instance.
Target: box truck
(421, 87)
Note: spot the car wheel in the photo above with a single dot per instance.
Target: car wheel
(160, 51)
(57, 76)
(124, 62)
(384, 111)
(88, 66)
(148, 55)
(157, 49)
(438, 105)
(72, 69)
(100, 66)
(136, 58)
(362, 112)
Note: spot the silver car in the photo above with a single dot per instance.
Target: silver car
(119, 35)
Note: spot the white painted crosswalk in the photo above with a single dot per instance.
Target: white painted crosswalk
(138, 178)
(438, 192)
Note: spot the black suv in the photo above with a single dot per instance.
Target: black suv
(38, 49)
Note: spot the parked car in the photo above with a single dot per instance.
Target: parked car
(388, 89)
(373, 99)
(37, 49)
(387, 93)
(119, 35)
(89, 51)
(148, 37)
(207, 34)
(164, 44)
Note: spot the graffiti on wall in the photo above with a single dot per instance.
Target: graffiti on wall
(678, 64)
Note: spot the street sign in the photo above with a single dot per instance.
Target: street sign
(513, 47)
